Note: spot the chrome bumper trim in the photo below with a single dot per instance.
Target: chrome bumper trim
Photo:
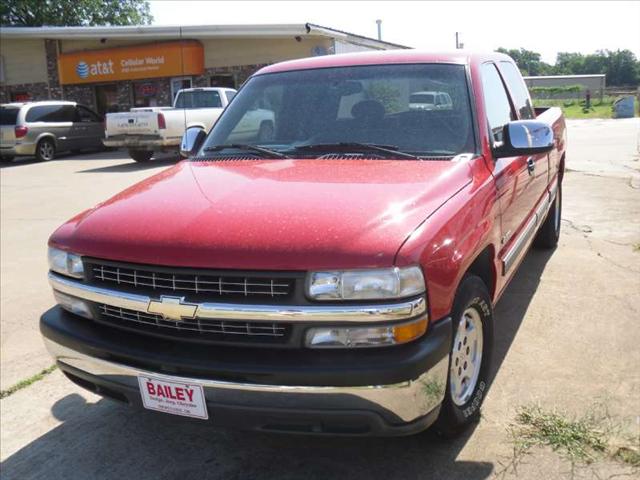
(405, 401)
(246, 312)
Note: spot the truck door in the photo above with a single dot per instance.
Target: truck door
(524, 111)
(514, 176)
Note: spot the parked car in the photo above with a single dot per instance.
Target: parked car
(144, 131)
(430, 101)
(46, 128)
(338, 278)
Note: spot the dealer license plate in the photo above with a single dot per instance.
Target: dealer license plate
(176, 398)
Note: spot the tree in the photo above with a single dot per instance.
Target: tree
(528, 61)
(38, 13)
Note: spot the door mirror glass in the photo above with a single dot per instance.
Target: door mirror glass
(525, 137)
(192, 141)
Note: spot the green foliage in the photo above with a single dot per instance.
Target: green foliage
(556, 90)
(621, 67)
(387, 95)
(37, 13)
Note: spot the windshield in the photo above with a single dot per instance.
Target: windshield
(8, 116)
(295, 110)
(199, 99)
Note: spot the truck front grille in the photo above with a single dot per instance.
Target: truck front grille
(204, 328)
(163, 281)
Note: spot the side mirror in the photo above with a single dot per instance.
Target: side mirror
(525, 137)
(192, 140)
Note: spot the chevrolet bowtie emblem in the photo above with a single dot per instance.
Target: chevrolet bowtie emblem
(172, 308)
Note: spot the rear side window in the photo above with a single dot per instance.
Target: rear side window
(199, 99)
(51, 113)
(518, 89)
(496, 101)
(8, 116)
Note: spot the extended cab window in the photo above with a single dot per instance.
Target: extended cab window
(85, 115)
(8, 116)
(496, 101)
(390, 105)
(199, 99)
(518, 89)
(51, 113)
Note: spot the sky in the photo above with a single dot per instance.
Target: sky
(544, 27)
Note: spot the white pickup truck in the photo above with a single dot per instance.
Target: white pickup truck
(145, 130)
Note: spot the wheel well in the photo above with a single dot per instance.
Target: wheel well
(484, 268)
(561, 168)
(48, 137)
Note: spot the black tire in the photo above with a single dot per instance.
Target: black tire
(45, 150)
(141, 155)
(549, 233)
(6, 159)
(472, 304)
(265, 134)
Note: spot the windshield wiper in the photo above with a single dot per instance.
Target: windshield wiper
(251, 148)
(389, 150)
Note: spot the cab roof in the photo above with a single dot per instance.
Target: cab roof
(383, 57)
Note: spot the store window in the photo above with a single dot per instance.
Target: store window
(177, 84)
(107, 99)
(145, 94)
(20, 97)
(223, 81)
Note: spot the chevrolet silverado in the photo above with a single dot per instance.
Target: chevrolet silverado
(336, 278)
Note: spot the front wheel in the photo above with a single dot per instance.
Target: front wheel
(141, 155)
(45, 150)
(470, 358)
(549, 233)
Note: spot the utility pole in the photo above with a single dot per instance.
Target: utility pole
(459, 44)
(379, 22)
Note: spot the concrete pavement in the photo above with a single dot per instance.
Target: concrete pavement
(567, 338)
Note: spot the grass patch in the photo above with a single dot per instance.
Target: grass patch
(26, 382)
(636, 247)
(580, 440)
(576, 108)
(629, 456)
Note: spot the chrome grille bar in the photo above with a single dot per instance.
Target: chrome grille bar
(371, 313)
(196, 325)
(220, 285)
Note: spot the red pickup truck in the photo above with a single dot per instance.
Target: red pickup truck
(337, 277)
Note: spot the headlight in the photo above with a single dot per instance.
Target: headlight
(65, 263)
(380, 336)
(378, 284)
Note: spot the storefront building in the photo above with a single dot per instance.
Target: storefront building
(117, 68)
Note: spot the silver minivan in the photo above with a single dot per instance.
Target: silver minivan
(46, 128)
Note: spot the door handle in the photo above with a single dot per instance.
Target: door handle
(531, 166)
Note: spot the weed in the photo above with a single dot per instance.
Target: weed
(26, 382)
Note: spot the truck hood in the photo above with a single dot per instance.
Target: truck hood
(267, 214)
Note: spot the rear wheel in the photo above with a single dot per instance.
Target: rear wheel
(470, 358)
(549, 232)
(141, 155)
(45, 150)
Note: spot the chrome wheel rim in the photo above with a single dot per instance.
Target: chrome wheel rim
(466, 357)
(46, 150)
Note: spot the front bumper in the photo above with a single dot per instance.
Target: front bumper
(389, 391)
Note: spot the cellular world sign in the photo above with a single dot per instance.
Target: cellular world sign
(167, 59)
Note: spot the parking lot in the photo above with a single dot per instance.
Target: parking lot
(567, 339)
